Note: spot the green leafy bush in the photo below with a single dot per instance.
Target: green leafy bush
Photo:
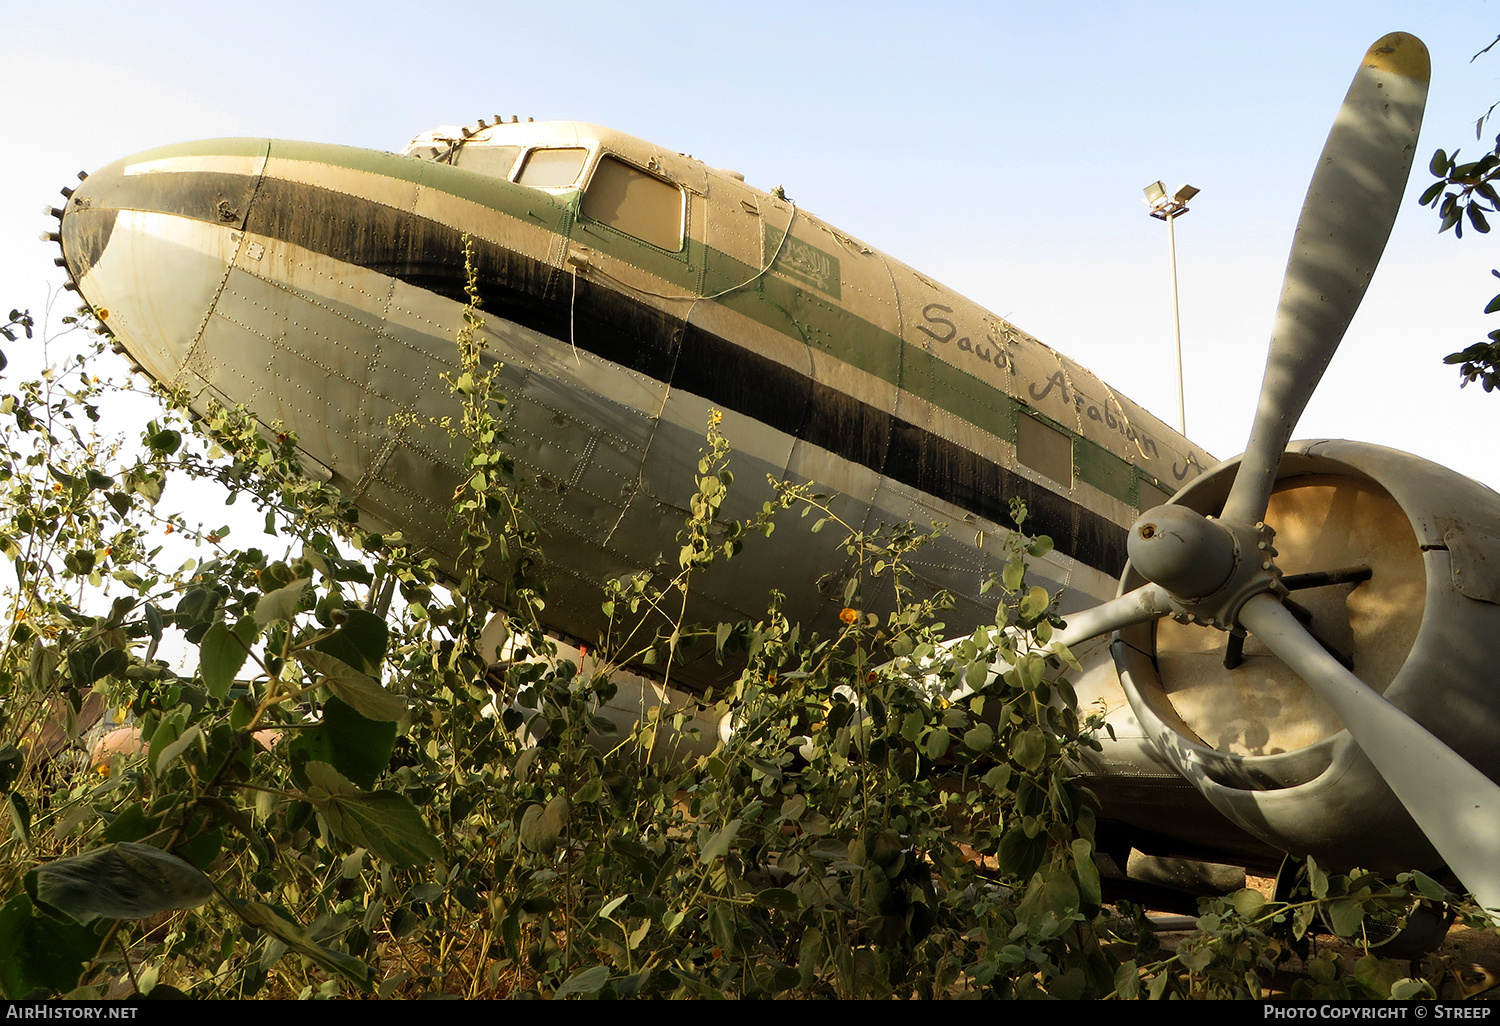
(329, 797)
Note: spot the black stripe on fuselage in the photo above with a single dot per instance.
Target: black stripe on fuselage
(429, 255)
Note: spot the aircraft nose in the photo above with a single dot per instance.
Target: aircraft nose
(148, 241)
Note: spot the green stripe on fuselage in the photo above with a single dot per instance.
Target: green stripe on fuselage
(774, 301)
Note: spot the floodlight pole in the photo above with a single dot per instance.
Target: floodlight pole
(1167, 208)
(1176, 321)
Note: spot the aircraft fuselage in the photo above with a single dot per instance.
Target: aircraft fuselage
(628, 290)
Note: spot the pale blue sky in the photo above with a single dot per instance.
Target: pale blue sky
(1000, 148)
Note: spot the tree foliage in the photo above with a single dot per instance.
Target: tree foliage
(1465, 192)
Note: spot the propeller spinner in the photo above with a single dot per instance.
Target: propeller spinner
(1222, 572)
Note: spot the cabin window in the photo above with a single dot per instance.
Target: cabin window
(1044, 448)
(488, 160)
(636, 203)
(552, 168)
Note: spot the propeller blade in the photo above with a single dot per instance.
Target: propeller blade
(1148, 602)
(1346, 220)
(1454, 804)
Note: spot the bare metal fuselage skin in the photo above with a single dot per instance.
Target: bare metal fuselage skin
(629, 291)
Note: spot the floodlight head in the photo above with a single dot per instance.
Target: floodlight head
(1185, 192)
(1155, 193)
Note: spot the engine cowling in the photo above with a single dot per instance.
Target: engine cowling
(1423, 630)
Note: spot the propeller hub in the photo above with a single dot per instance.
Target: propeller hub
(1182, 551)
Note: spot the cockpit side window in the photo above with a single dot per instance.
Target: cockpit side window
(639, 204)
(552, 168)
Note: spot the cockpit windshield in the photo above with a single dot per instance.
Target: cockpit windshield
(499, 161)
(539, 166)
(552, 168)
(618, 195)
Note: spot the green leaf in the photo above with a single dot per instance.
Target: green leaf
(1317, 880)
(586, 982)
(360, 642)
(1248, 902)
(719, 843)
(1051, 900)
(1406, 989)
(1302, 920)
(778, 898)
(294, 936)
(1086, 873)
(132, 824)
(358, 747)
(1378, 975)
(1013, 576)
(979, 738)
(220, 656)
(123, 881)
(1020, 855)
(165, 442)
(1346, 915)
(280, 604)
(542, 825)
(163, 757)
(1429, 887)
(937, 743)
(359, 690)
(1035, 603)
(11, 764)
(998, 778)
(1029, 749)
(166, 732)
(19, 811)
(386, 823)
(39, 952)
(111, 663)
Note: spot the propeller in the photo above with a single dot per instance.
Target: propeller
(1221, 572)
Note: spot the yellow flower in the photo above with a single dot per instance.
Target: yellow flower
(849, 615)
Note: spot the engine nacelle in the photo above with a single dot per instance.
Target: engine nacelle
(1423, 630)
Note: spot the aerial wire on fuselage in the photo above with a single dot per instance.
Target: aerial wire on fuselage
(723, 292)
(687, 318)
(573, 305)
